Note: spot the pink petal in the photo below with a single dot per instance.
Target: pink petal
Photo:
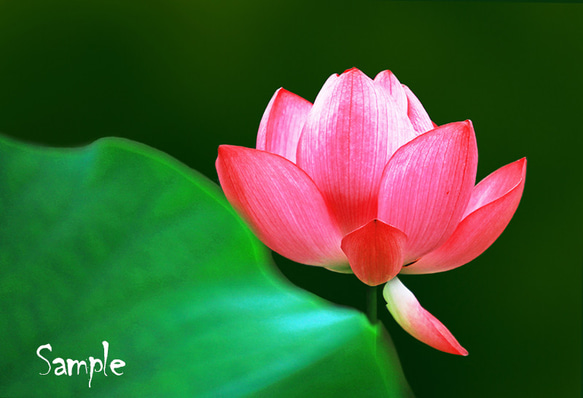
(493, 203)
(282, 205)
(374, 252)
(388, 81)
(427, 184)
(417, 321)
(497, 184)
(417, 114)
(328, 86)
(402, 131)
(344, 146)
(282, 122)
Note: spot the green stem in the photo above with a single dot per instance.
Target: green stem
(371, 304)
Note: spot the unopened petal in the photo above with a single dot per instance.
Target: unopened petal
(403, 130)
(416, 112)
(427, 184)
(374, 252)
(282, 205)
(493, 203)
(389, 82)
(344, 146)
(282, 122)
(417, 321)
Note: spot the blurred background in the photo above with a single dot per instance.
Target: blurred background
(187, 76)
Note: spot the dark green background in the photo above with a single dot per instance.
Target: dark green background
(185, 76)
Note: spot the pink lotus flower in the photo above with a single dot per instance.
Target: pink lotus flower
(362, 181)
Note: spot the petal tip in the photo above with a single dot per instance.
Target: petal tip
(354, 69)
(468, 126)
(521, 163)
(280, 92)
(417, 321)
(353, 73)
(226, 150)
(221, 150)
(386, 72)
(374, 252)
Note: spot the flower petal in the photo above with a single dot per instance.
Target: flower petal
(427, 184)
(344, 146)
(493, 203)
(499, 183)
(282, 122)
(388, 81)
(374, 252)
(417, 321)
(282, 205)
(403, 130)
(417, 114)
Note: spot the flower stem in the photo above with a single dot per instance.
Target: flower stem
(371, 304)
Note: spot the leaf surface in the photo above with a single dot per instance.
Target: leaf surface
(118, 242)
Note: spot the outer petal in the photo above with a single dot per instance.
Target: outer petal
(417, 321)
(417, 114)
(282, 122)
(427, 184)
(493, 203)
(282, 205)
(344, 146)
(375, 252)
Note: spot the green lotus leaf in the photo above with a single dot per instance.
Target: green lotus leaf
(120, 243)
